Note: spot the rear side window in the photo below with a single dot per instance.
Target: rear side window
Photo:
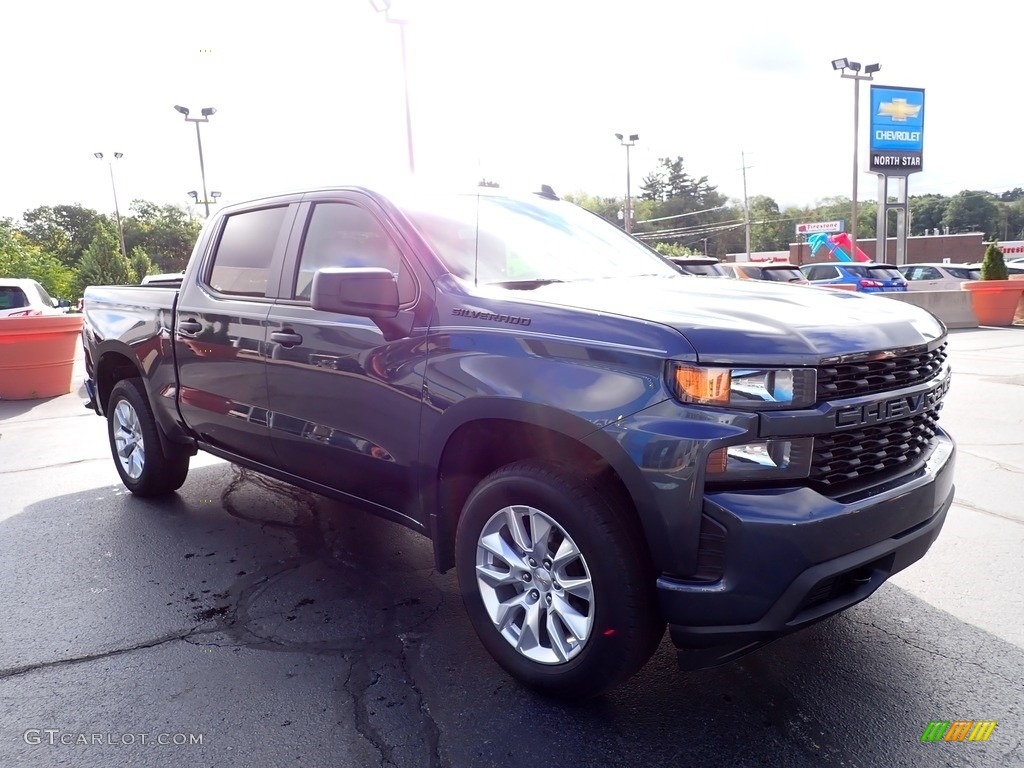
(12, 297)
(962, 273)
(822, 272)
(242, 261)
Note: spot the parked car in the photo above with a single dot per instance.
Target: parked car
(1013, 267)
(698, 265)
(776, 272)
(866, 278)
(596, 444)
(937, 277)
(26, 298)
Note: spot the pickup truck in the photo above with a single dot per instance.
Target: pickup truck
(599, 445)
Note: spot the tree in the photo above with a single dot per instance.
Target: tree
(102, 263)
(971, 211)
(63, 231)
(164, 232)
(673, 250)
(23, 259)
(767, 230)
(927, 213)
(141, 264)
(606, 207)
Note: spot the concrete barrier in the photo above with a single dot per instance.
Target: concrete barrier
(951, 307)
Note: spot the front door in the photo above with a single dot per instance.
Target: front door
(345, 403)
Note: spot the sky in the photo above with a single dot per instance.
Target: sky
(522, 92)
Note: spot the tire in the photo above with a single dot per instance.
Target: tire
(581, 616)
(135, 443)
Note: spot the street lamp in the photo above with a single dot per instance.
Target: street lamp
(117, 211)
(854, 74)
(633, 137)
(206, 112)
(384, 6)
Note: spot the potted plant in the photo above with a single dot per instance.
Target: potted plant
(994, 298)
(37, 355)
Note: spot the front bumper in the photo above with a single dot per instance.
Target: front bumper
(793, 557)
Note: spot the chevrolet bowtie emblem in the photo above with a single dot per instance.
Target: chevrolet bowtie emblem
(898, 110)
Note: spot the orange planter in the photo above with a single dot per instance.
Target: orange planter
(994, 301)
(37, 355)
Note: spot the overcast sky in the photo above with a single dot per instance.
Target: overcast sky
(523, 92)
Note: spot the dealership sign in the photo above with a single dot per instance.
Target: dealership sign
(897, 130)
(820, 226)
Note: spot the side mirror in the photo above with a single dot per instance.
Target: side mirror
(364, 291)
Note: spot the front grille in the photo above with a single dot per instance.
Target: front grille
(879, 373)
(875, 452)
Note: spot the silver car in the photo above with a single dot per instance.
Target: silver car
(938, 277)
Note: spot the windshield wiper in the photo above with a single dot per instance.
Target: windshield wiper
(526, 285)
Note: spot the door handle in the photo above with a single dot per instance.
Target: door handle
(190, 326)
(286, 338)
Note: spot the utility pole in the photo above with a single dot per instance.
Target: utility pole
(746, 208)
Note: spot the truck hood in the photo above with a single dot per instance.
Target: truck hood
(735, 321)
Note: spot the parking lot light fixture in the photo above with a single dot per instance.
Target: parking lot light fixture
(851, 70)
(627, 143)
(113, 187)
(206, 112)
(384, 6)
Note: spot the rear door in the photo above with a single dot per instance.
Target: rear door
(345, 401)
(221, 330)
(922, 278)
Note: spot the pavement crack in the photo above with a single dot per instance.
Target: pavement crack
(51, 466)
(153, 643)
(988, 512)
(935, 652)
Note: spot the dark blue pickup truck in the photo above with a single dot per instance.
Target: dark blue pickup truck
(598, 444)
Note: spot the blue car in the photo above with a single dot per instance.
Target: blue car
(866, 278)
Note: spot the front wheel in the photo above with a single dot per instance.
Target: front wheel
(556, 581)
(135, 444)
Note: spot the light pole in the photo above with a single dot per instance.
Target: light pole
(633, 137)
(206, 112)
(854, 74)
(117, 211)
(384, 6)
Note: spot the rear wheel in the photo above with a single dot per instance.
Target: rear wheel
(135, 444)
(556, 582)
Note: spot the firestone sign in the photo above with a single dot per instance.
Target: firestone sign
(897, 130)
(812, 227)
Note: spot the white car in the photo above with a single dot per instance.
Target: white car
(938, 277)
(26, 298)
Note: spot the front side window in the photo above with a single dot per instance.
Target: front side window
(246, 248)
(345, 235)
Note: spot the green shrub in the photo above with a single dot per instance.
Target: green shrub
(993, 267)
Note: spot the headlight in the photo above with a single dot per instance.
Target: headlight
(754, 388)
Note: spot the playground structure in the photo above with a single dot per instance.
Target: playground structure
(839, 247)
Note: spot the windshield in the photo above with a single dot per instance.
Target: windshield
(885, 273)
(783, 274)
(700, 269)
(528, 241)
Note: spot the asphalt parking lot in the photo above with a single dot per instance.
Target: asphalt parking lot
(246, 623)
